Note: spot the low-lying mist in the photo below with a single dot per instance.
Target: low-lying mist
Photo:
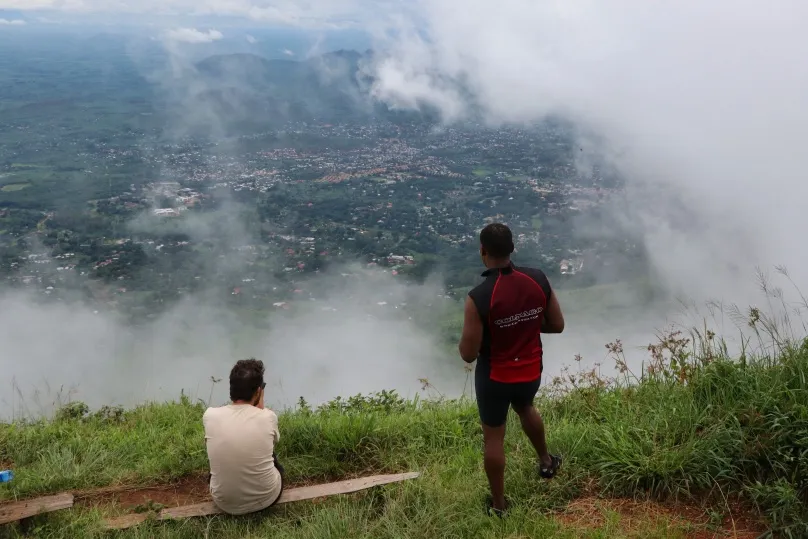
(356, 336)
(352, 331)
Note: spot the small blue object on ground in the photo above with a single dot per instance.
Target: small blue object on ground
(6, 476)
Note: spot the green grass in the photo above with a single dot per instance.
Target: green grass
(482, 172)
(696, 425)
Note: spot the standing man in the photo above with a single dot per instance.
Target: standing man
(240, 438)
(504, 317)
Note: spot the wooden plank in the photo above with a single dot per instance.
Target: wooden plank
(186, 511)
(288, 496)
(11, 512)
(343, 487)
(295, 495)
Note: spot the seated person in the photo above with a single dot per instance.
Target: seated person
(245, 475)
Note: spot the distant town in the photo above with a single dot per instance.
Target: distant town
(403, 200)
(116, 195)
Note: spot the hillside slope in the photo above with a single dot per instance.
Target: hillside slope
(700, 444)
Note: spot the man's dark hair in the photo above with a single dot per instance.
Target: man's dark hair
(246, 377)
(497, 240)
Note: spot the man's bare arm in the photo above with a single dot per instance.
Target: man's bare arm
(260, 403)
(553, 317)
(472, 335)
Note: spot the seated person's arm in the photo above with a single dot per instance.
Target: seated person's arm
(472, 335)
(553, 318)
(276, 433)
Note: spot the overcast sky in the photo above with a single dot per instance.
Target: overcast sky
(320, 14)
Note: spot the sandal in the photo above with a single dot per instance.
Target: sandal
(549, 473)
(489, 508)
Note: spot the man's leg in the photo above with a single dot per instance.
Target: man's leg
(493, 408)
(533, 425)
(494, 462)
(531, 420)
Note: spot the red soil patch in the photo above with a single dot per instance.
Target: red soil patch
(635, 517)
(186, 491)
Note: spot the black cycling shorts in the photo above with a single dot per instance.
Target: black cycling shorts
(494, 398)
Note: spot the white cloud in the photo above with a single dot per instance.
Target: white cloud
(14, 22)
(28, 4)
(194, 36)
(710, 98)
(287, 52)
(251, 39)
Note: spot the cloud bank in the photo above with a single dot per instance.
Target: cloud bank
(342, 344)
(14, 22)
(705, 100)
(193, 36)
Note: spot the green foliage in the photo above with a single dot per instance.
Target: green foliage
(383, 401)
(72, 411)
(110, 414)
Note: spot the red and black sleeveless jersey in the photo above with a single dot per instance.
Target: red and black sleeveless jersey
(511, 303)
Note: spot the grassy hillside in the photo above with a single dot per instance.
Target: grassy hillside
(723, 442)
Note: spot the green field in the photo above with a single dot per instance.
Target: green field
(11, 187)
(698, 444)
(519, 178)
(26, 166)
(482, 172)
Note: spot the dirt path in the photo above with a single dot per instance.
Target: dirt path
(633, 518)
(588, 513)
(186, 491)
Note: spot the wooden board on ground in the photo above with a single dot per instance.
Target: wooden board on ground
(28, 508)
(292, 495)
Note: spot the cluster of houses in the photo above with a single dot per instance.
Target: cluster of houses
(571, 267)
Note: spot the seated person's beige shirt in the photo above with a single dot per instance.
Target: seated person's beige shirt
(240, 439)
